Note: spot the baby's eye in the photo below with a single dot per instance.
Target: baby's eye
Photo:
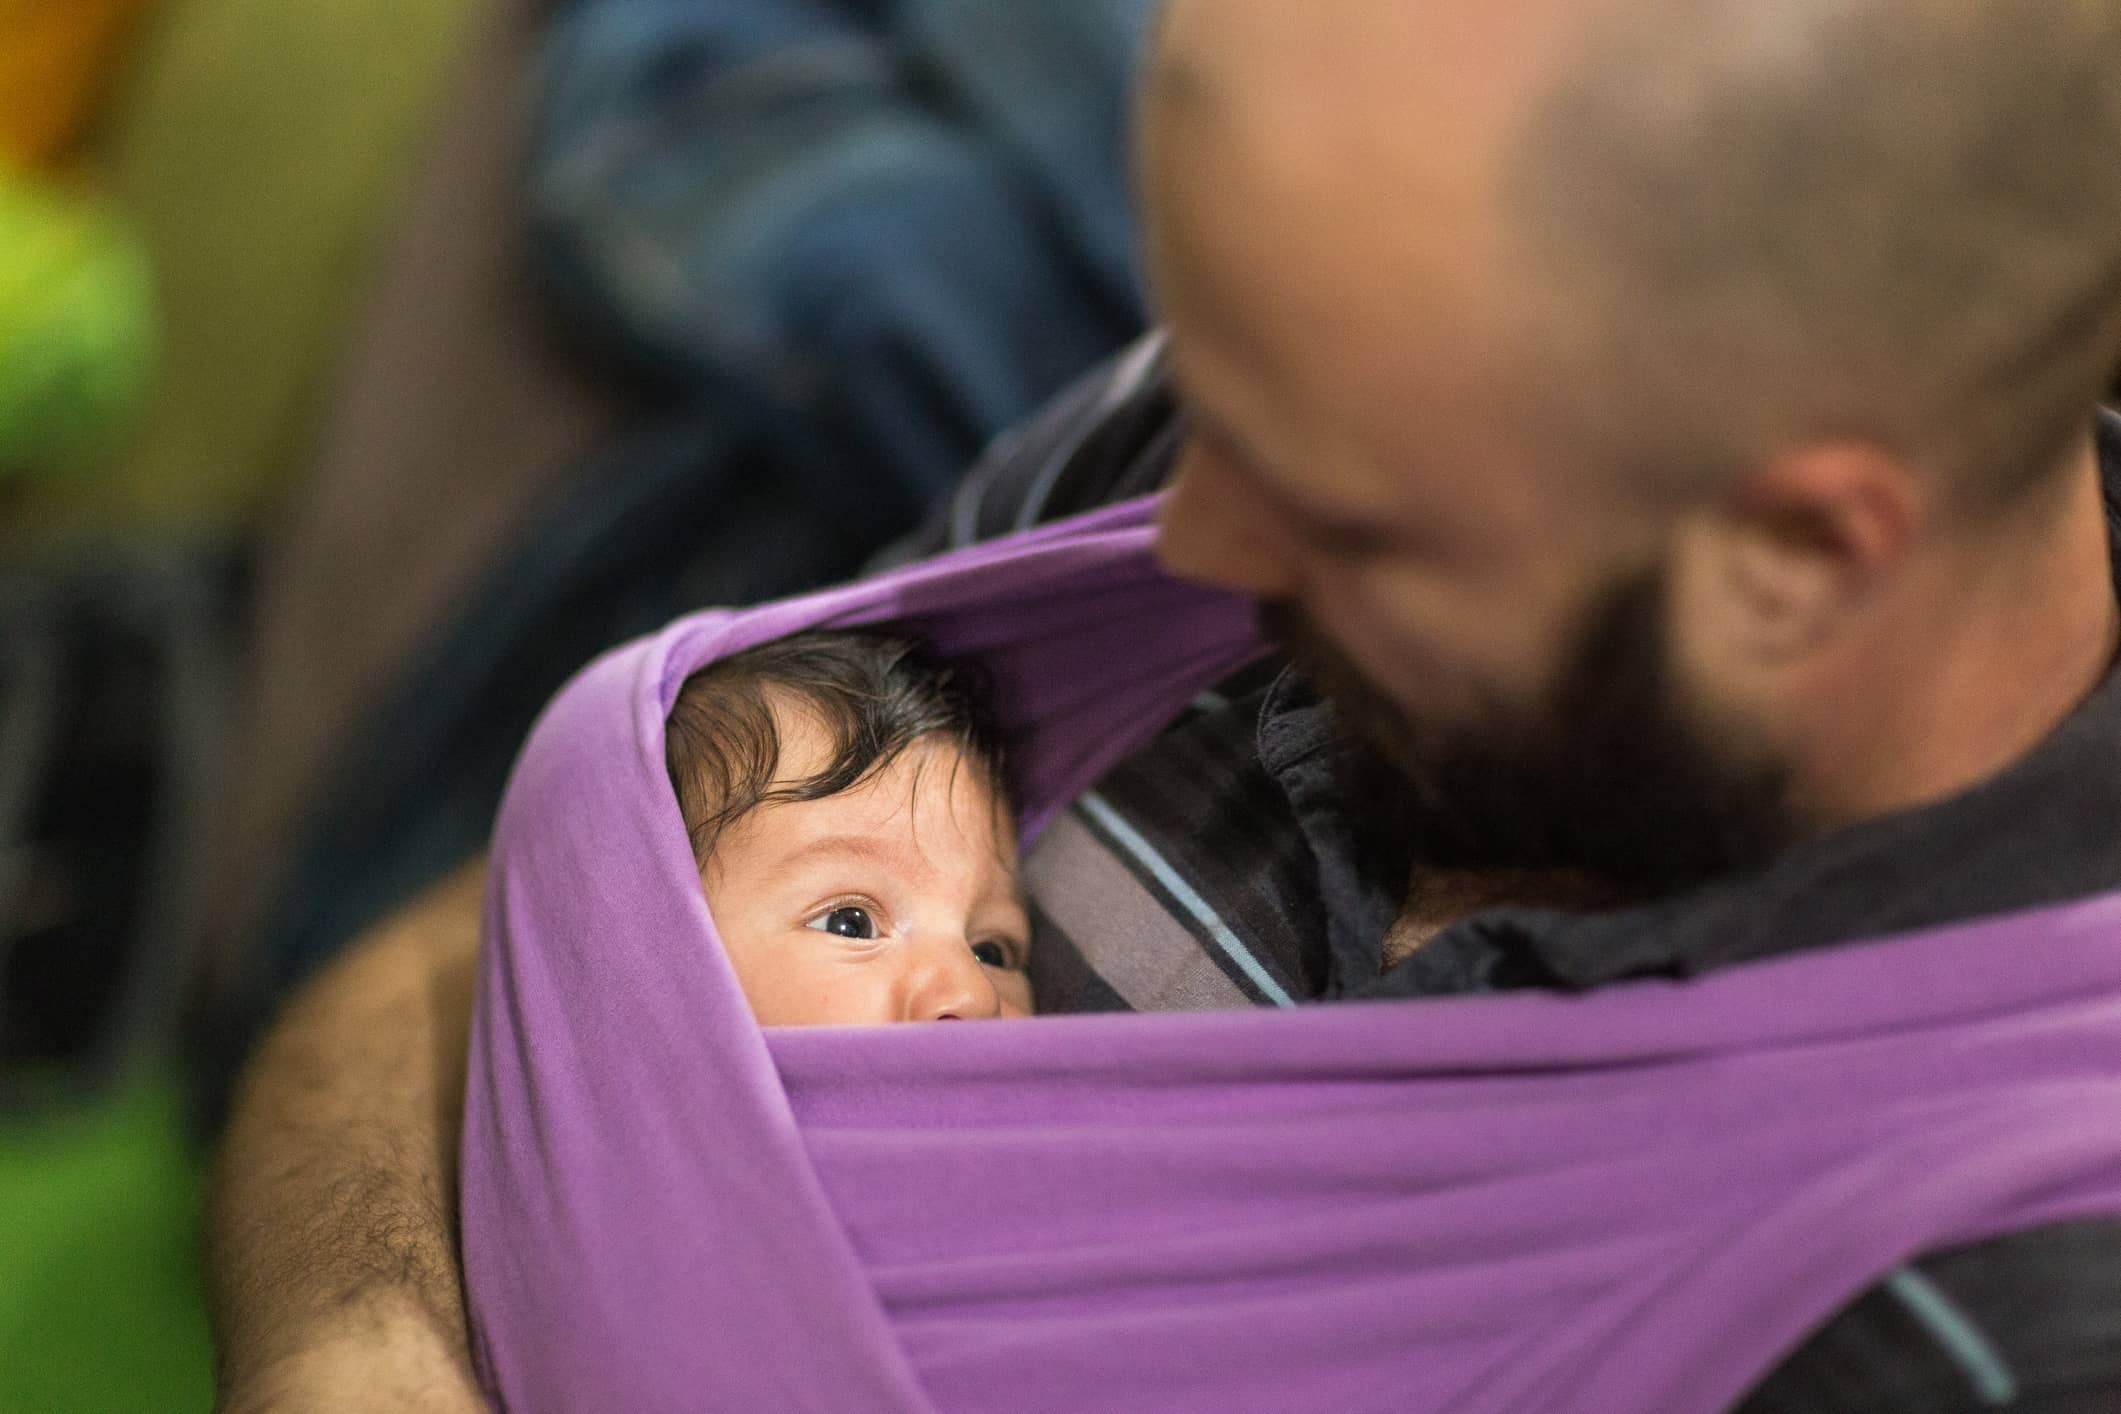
(847, 922)
(991, 954)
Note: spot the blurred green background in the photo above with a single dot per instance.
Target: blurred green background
(100, 1303)
(248, 153)
(256, 147)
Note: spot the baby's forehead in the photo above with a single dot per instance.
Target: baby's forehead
(933, 793)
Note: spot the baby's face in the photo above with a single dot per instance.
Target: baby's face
(894, 901)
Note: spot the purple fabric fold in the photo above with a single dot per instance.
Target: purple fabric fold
(1636, 1199)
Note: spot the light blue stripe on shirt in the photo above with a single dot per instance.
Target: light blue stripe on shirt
(1994, 1385)
(1130, 839)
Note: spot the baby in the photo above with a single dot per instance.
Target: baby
(845, 800)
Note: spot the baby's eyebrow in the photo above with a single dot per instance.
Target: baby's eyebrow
(863, 847)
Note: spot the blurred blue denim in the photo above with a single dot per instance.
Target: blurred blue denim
(899, 224)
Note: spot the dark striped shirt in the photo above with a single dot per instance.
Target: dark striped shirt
(1213, 869)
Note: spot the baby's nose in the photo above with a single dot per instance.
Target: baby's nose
(956, 988)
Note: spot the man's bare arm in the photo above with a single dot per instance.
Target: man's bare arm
(332, 1230)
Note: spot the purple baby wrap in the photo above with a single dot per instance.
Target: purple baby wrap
(1633, 1200)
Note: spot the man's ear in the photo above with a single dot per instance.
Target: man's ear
(1803, 543)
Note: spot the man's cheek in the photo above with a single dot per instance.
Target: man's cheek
(1408, 679)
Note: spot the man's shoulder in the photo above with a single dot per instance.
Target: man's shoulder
(1111, 436)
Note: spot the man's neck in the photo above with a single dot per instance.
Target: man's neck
(1439, 898)
(2010, 637)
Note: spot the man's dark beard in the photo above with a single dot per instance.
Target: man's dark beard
(1613, 780)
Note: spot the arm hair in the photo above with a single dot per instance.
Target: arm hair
(332, 1235)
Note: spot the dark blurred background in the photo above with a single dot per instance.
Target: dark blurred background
(364, 369)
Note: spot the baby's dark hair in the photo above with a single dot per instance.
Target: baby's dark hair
(877, 694)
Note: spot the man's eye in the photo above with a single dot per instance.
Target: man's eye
(991, 954)
(846, 922)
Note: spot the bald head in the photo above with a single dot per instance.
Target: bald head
(1695, 231)
(1893, 219)
(1323, 192)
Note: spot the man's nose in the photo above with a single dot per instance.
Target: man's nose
(949, 984)
(1212, 530)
